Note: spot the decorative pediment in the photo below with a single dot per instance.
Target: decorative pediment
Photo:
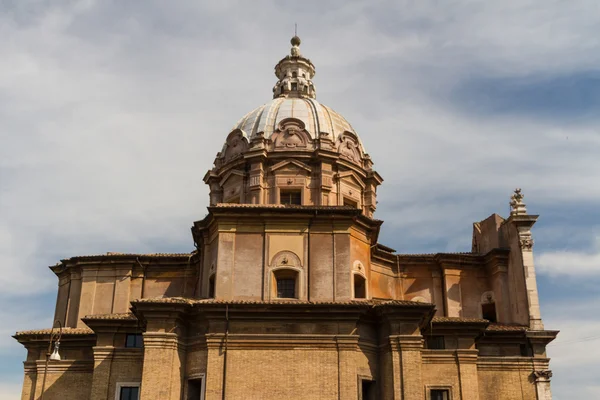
(291, 134)
(289, 162)
(230, 175)
(348, 147)
(235, 145)
(352, 177)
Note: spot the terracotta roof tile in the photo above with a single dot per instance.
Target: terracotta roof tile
(506, 327)
(450, 320)
(65, 331)
(375, 303)
(120, 316)
(110, 254)
(284, 206)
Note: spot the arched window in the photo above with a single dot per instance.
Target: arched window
(294, 74)
(360, 287)
(488, 307)
(285, 284)
(488, 311)
(211, 286)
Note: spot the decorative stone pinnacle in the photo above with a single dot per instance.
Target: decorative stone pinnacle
(517, 207)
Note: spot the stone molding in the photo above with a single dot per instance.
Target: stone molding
(542, 376)
(38, 366)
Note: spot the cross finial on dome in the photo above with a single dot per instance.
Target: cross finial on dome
(295, 46)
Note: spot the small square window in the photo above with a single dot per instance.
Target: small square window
(439, 394)
(290, 197)
(350, 203)
(129, 393)
(435, 342)
(286, 288)
(134, 340)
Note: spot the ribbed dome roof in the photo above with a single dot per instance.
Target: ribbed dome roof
(316, 117)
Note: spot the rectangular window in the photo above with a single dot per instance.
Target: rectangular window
(350, 203)
(290, 197)
(367, 390)
(439, 394)
(211, 287)
(134, 340)
(488, 311)
(195, 390)
(435, 342)
(129, 393)
(286, 288)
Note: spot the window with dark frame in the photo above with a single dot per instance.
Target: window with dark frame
(439, 394)
(211, 287)
(360, 287)
(350, 203)
(290, 197)
(488, 311)
(435, 342)
(286, 288)
(194, 391)
(367, 390)
(129, 393)
(134, 341)
(294, 86)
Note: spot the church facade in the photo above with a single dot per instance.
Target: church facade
(288, 293)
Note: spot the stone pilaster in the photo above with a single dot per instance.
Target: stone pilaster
(255, 183)
(102, 367)
(163, 367)
(452, 292)
(523, 224)
(542, 384)
(467, 373)
(347, 347)
(215, 366)
(408, 383)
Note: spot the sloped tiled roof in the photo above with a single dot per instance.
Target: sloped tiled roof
(181, 300)
(65, 331)
(118, 316)
(505, 327)
(442, 320)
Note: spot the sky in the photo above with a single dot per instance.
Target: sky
(112, 111)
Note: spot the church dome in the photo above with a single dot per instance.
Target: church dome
(294, 150)
(317, 118)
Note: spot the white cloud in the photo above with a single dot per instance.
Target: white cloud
(575, 354)
(574, 263)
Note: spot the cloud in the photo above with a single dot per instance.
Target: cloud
(10, 390)
(572, 263)
(575, 353)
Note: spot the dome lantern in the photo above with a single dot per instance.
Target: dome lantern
(295, 74)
